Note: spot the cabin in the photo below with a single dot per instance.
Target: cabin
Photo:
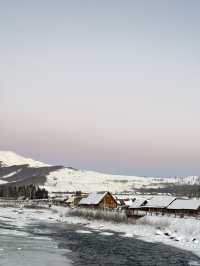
(99, 200)
(124, 200)
(190, 207)
(158, 204)
(135, 208)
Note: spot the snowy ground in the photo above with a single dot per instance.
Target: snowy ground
(23, 240)
(21, 247)
(183, 233)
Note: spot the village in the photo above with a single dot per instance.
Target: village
(133, 206)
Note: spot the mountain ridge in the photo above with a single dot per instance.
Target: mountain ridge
(17, 170)
(9, 158)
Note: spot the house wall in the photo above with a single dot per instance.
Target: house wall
(91, 206)
(134, 211)
(183, 211)
(108, 202)
(172, 211)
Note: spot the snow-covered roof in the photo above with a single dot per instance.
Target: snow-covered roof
(160, 201)
(137, 203)
(124, 197)
(184, 204)
(128, 202)
(93, 198)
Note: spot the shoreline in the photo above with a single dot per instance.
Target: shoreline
(183, 233)
(76, 233)
(151, 229)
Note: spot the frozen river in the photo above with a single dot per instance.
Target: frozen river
(33, 237)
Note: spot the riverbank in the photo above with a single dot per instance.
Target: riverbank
(183, 233)
(28, 203)
(42, 237)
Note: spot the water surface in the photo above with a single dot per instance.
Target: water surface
(29, 238)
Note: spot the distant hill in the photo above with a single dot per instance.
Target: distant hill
(16, 170)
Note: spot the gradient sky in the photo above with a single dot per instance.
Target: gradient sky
(106, 85)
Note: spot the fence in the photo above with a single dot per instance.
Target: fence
(25, 203)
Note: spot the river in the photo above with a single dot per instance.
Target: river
(32, 237)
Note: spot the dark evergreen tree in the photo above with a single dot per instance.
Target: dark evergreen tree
(30, 192)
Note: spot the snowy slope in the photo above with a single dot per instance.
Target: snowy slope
(9, 158)
(62, 179)
(88, 181)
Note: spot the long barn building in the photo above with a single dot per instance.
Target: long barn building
(185, 207)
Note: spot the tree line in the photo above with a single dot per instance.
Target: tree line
(29, 191)
(190, 191)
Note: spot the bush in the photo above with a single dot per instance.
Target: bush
(96, 214)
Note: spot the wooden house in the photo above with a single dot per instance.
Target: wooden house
(124, 200)
(158, 204)
(183, 207)
(99, 200)
(135, 208)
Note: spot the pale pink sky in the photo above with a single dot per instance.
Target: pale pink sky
(111, 86)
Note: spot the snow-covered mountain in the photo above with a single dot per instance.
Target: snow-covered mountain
(17, 170)
(9, 158)
(58, 178)
(93, 181)
(89, 181)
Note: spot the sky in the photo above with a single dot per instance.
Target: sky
(106, 85)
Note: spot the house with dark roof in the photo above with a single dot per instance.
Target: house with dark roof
(99, 200)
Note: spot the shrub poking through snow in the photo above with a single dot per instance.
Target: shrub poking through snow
(99, 214)
(157, 223)
(94, 214)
